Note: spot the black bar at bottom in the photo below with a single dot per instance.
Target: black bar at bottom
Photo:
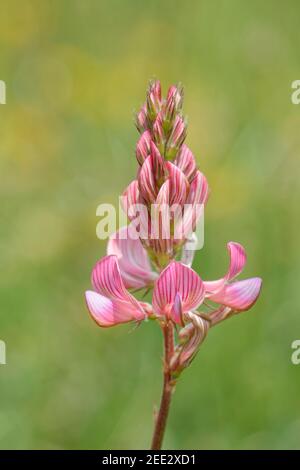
(137, 458)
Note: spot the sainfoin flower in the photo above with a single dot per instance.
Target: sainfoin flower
(110, 303)
(156, 250)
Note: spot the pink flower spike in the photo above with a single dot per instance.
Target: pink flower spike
(133, 260)
(111, 303)
(174, 281)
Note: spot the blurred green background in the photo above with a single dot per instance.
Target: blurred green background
(75, 71)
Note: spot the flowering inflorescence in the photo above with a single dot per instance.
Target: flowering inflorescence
(168, 180)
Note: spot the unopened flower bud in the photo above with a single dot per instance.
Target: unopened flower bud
(190, 338)
(158, 133)
(176, 139)
(141, 120)
(154, 99)
(143, 147)
(173, 103)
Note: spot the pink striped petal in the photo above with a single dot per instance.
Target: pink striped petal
(176, 279)
(220, 314)
(130, 198)
(133, 259)
(160, 221)
(143, 147)
(190, 338)
(185, 161)
(110, 312)
(177, 314)
(163, 196)
(194, 206)
(154, 151)
(199, 189)
(240, 295)
(238, 258)
(154, 97)
(178, 133)
(106, 279)
(237, 261)
(158, 131)
(188, 222)
(151, 174)
(141, 119)
(179, 185)
(173, 102)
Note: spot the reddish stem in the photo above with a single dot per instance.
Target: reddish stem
(168, 387)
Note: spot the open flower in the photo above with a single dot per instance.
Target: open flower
(110, 303)
(178, 291)
(237, 296)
